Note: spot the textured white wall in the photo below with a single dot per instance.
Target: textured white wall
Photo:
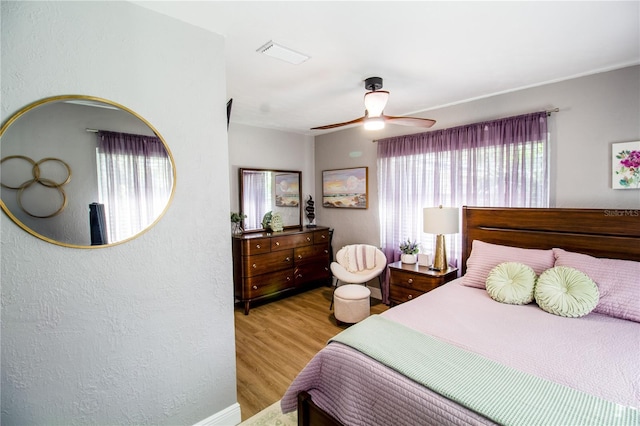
(595, 111)
(140, 333)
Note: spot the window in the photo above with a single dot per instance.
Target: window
(135, 180)
(502, 163)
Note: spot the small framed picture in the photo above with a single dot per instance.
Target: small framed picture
(287, 190)
(625, 165)
(345, 188)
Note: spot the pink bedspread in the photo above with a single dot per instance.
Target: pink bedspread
(596, 354)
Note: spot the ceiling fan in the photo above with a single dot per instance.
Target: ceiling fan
(374, 119)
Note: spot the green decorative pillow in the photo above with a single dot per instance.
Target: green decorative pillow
(566, 292)
(511, 282)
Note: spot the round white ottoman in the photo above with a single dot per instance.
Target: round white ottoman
(351, 303)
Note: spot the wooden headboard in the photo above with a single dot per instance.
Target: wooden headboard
(611, 233)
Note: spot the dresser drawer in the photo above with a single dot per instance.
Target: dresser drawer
(256, 246)
(320, 237)
(418, 282)
(316, 252)
(313, 271)
(269, 262)
(290, 241)
(268, 283)
(403, 294)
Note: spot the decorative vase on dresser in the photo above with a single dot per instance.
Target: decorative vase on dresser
(408, 258)
(267, 264)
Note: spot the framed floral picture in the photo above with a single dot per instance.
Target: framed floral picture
(625, 165)
(345, 188)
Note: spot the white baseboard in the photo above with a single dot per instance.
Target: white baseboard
(376, 293)
(230, 416)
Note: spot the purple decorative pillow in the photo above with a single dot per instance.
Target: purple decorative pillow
(618, 282)
(485, 256)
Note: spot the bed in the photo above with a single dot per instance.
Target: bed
(455, 356)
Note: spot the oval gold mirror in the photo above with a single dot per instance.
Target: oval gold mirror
(83, 172)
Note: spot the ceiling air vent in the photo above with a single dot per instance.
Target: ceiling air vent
(284, 53)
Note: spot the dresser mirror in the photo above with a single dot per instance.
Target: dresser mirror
(277, 191)
(83, 172)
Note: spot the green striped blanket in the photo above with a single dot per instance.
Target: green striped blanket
(500, 393)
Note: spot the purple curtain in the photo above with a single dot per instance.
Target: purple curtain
(501, 163)
(135, 179)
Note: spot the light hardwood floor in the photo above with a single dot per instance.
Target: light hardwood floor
(277, 339)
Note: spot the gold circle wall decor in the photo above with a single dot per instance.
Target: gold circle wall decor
(35, 171)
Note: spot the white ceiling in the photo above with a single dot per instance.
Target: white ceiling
(429, 53)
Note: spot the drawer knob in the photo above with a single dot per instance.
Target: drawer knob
(254, 266)
(326, 251)
(410, 297)
(255, 287)
(288, 278)
(308, 239)
(277, 243)
(323, 236)
(299, 276)
(299, 256)
(258, 246)
(287, 259)
(410, 281)
(326, 269)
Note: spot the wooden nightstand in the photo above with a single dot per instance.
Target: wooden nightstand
(410, 281)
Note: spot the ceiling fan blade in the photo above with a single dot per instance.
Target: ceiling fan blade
(346, 123)
(409, 121)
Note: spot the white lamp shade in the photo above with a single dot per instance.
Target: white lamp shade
(440, 220)
(374, 102)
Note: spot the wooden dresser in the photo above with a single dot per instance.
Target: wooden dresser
(408, 281)
(266, 264)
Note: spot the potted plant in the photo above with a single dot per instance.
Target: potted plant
(409, 251)
(236, 222)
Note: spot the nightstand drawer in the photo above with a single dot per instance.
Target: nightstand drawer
(406, 282)
(423, 283)
(399, 294)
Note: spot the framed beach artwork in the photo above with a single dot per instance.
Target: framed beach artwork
(287, 190)
(625, 165)
(345, 188)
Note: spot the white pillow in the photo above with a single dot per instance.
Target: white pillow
(512, 283)
(566, 292)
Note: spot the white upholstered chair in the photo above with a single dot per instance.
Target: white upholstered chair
(349, 270)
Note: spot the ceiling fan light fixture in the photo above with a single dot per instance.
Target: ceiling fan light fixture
(374, 123)
(374, 102)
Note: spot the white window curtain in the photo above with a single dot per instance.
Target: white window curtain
(502, 163)
(135, 179)
(258, 197)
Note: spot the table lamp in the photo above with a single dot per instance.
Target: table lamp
(440, 221)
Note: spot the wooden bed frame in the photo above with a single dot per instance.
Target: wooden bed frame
(610, 233)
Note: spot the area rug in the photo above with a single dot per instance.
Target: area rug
(272, 416)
